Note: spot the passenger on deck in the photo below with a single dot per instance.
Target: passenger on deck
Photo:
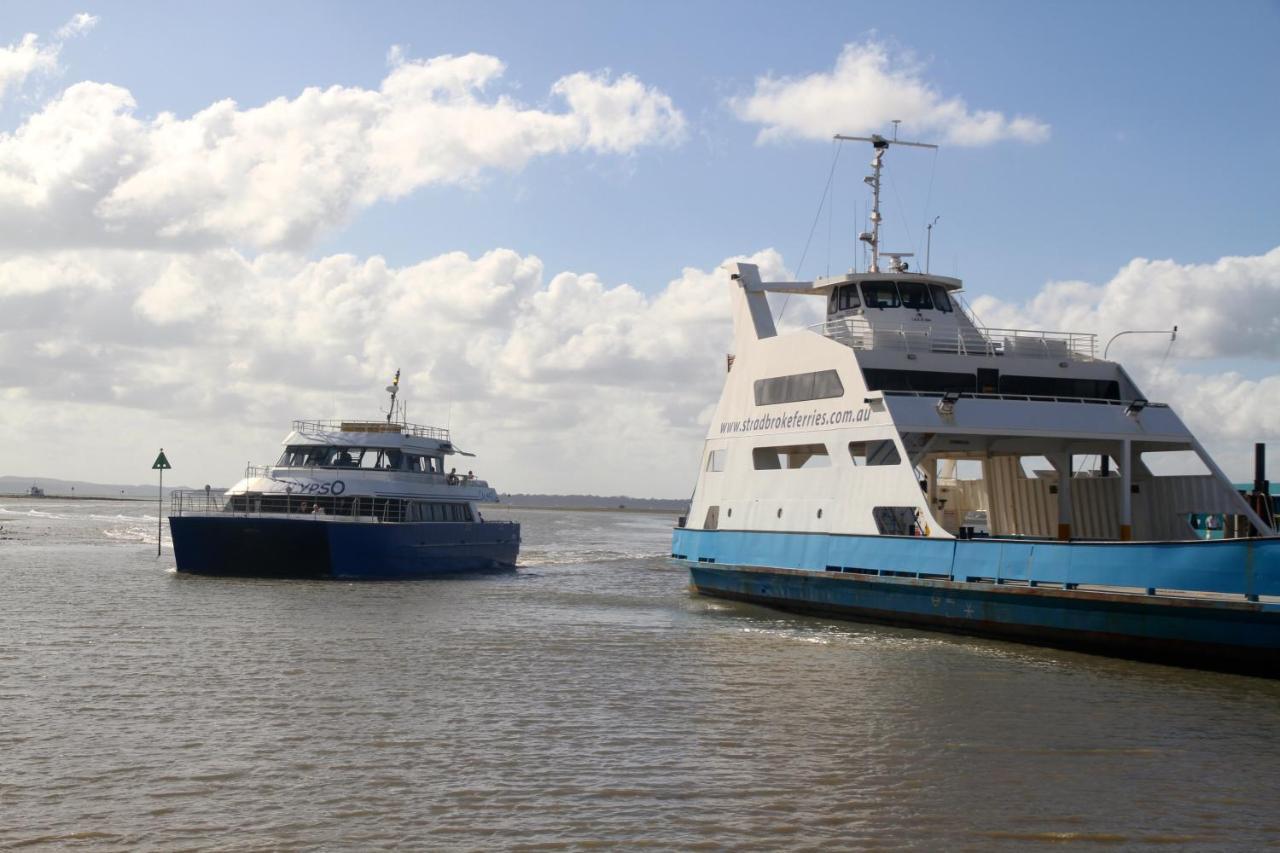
(452, 479)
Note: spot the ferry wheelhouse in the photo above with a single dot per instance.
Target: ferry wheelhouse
(347, 499)
(901, 463)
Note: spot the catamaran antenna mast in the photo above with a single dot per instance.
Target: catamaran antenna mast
(881, 145)
(393, 389)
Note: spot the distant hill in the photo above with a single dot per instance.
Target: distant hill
(80, 489)
(77, 488)
(596, 502)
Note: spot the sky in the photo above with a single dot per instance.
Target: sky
(217, 218)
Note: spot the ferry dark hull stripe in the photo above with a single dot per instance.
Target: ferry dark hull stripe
(235, 546)
(1231, 637)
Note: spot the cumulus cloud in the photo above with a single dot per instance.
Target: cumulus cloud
(868, 88)
(88, 170)
(547, 376)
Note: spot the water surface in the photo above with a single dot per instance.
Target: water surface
(586, 700)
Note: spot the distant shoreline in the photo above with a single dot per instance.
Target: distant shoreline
(644, 509)
(500, 505)
(48, 497)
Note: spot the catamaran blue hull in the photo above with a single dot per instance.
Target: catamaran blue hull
(975, 591)
(307, 548)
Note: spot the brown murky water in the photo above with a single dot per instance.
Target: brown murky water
(586, 701)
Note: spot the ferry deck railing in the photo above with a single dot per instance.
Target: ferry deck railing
(369, 425)
(269, 472)
(363, 509)
(860, 333)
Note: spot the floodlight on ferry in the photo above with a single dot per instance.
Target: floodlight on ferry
(1135, 407)
(947, 405)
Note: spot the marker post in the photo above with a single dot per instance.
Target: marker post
(160, 465)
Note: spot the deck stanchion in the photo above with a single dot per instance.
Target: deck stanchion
(1126, 491)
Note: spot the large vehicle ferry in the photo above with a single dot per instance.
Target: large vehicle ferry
(356, 499)
(900, 463)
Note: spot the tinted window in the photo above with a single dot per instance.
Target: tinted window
(1060, 386)
(917, 380)
(849, 297)
(880, 294)
(915, 295)
(798, 387)
(941, 300)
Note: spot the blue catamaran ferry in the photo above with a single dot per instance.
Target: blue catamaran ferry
(355, 499)
(899, 463)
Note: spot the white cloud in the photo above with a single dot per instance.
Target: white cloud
(23, 58)
(27, 57)
(562, 383)
(866, 90)
(79, 24)
(86, 170)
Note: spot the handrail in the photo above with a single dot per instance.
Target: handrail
(1034, 398)
(327, 427)
(858, 332)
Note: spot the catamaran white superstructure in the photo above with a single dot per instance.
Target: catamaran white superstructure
(847, 467)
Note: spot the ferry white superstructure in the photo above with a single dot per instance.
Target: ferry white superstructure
(843, 461)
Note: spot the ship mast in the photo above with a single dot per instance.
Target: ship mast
(881, 145)
(393, 389)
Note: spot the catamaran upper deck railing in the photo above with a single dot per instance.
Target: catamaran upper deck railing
(329, 427)
(859, 333)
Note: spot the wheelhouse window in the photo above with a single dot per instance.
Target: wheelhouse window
(790, 457)
(883, 452)
(798, 387)
(941, 300)
(880, 294)
(915, 295)
(844, 299)
(715, 460)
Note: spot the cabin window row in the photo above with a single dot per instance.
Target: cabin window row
(793, 457)
(368, 458)
(916, 295)
(798, 387)
(990, 382)
(382, 509)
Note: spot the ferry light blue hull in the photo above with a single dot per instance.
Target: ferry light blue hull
(993, 588)
(306, 548)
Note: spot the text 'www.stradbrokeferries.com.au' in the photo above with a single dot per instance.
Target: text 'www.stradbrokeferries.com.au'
(797, 420)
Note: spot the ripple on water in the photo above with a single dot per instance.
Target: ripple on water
(588, 702)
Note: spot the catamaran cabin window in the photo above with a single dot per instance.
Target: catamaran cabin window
(915, 295)
(880, 294)
(941, 300)
(298, 456)
(883, 452)
(715, 460)
(798, 387)
(790, 457)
